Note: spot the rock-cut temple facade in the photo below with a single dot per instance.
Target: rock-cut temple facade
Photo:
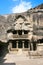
(22, 31)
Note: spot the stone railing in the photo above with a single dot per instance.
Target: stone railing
(20, 36)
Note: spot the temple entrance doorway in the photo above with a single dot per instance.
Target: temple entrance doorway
(19, 46)
(14, 44)
(26, 44)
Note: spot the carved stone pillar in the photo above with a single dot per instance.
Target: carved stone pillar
(9, 46)
(31, 46)
(23, 44)
(17, 44)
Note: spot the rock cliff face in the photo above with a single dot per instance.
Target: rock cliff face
(31, 20)
(39, 7)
